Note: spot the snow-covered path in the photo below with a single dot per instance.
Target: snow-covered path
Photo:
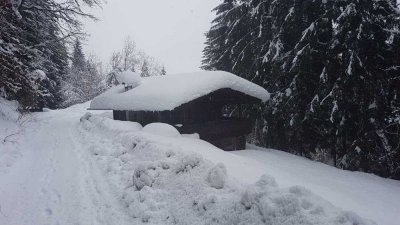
(55, 182)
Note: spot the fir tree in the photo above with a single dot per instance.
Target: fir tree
(366, 41)
(332, 68)
(78, 57)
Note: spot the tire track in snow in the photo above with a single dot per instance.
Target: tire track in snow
(108, 207)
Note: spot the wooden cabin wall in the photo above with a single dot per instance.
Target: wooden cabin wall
(146, 117)
(186, 114)
(200, 112)
(119, 115)
(230, 143)
(202, 116)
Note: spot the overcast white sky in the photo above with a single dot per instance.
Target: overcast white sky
(172, 31)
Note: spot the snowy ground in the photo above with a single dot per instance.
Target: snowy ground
(62, 168)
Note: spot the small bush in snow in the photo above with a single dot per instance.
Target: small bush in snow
(142, 177)
(9, 109)
(187, 163)
(170, 154)
(217, 176)
(266, 181)
(286, 205)
(348, 216)
(254, 194)
(204, 205)
(85, 117)
(299, 191)
(164, 165)
(249, 198)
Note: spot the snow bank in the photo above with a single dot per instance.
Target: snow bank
(129, 78)
(161, 129)
(10, 128)
(161, 181)
(217, 176)
(8, 110)
(112, 126)
(170, 91)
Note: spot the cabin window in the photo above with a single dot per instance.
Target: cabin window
(231, 111)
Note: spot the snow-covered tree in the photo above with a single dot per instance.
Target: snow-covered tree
(78, 57)
(332, 68)
(34, 36)
(132, 59)
(85, 79)
(365, 42)
(145, 69)
(129, 55)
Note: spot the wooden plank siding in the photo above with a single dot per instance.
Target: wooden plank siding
(226, 133)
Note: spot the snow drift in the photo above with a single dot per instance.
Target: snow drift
(162, 182)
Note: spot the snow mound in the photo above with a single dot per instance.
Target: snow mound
(9, 110)
(159, 93)
(110, 125)
(142, 177)
(217, 176)
(129, 78)
(161, 182)
(161, 129)
(192, 136)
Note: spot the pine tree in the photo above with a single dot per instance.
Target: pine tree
(76, 78)
(366, 40)
(163, 71)
(93, 79)
(216, 52)
(78, 57)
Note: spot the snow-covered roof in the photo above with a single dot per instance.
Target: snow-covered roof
(167, 92)
(129, 77)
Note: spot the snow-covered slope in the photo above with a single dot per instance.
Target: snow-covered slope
(77, 168)
(369, 195)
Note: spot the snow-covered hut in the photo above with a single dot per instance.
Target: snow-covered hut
(192, 102)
